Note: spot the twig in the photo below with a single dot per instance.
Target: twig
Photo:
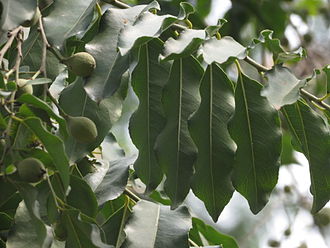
(12, 35)
(307, 95)
(60, 110)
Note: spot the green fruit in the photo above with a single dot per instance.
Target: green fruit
(23, 87)
(60, 231)
(82, 64)
(34, 19)
(274, 243)
(31, 170)
(82, 129)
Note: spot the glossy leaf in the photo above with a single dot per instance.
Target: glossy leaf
(82, 197)
(110, 65)
(255, 127)
(54, 146)
(312, 135)
(212, 236)
(216, 149)
(38, 103)
(151, 225)
(68, 18)
(81, 233)
(148, 26)
(27, 230)
(274, 46)
(175, 149)
(75, 102)
(148, 80)
(214, 50)
(282, 87)
(110, 183)
(15, 12)
(187, 43)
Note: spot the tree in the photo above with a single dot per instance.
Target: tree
(99, 97)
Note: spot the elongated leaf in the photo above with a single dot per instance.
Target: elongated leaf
(80, 233)
(111, 184)
(82, 197)
(54, 147)
(110, 65)
(274, 45)
(148, 80)
(27, 230)
(15, 12)
(216, 149)
(186, 44)
(203, 7)
(255, 128)
(282, 87)
(175, 149)
(6, 194)
(68, 18)
(75, 102)
(214, 50)
(211, 235)
(156, 226)
(36, 102)
(148, 26)
(312, 135)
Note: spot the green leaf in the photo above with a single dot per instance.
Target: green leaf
(187, 43)
(81, 233)
(151, 225)
(110, 181)
(5, 221)
(214, 50)
(110, 65)
(175, 149)
(27, 229)
(211, 235)
(7, 194)
(38, 103)
(75, 102)
(148, 80)
(255, 127)
(312, 135)
(68, 18)
(273, 45)
(282, 87)
(53, 145)
(216, 149)
(15, 12)
(82, 197)
(203, 7)
(32, 56)
(114, 225)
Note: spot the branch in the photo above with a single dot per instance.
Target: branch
(307, 95)
(12, 35)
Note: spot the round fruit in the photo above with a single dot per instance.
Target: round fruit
(34, 19)
(274, 243)
(60, 231)
(81, 64)
(23, 87)
(31, 170)
(82, 129)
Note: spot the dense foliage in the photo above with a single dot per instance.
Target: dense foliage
(99, 97)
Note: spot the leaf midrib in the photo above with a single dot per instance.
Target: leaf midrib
(250, 138)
